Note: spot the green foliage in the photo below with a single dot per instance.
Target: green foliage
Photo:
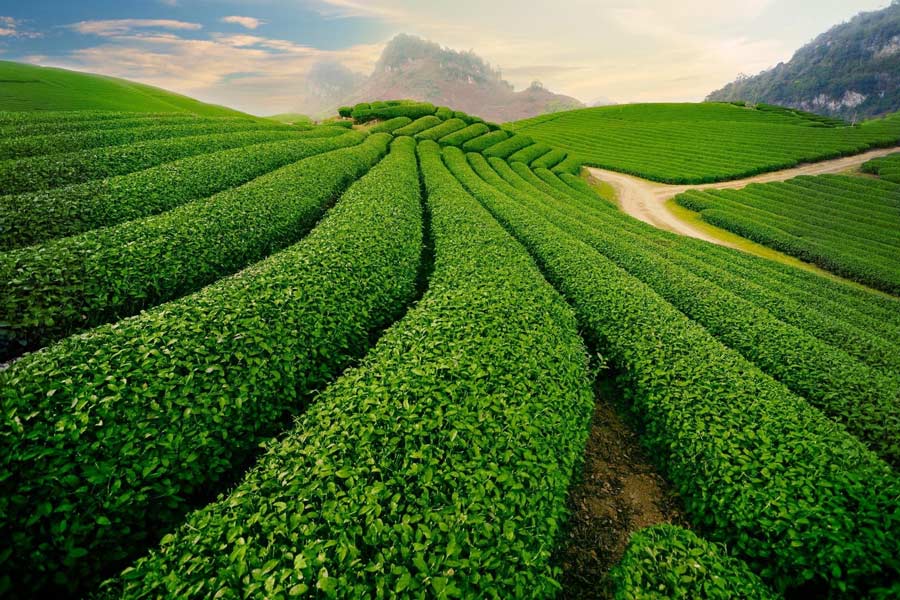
(804, 503)
(847, 225)
(38, 217)
(438, 468)
(665, 562)
(44, 89)
(571, 165)
(700, 143)
(509, 147)
(341, 124)
(414, 110)
(444, 113)
(483, 142)
(55, 289)
(345, 111)
(548, 160)
(39, 173)
(458, 138)
(438, 131)
(37, 145)
(418, 126)
(844, 388)
(38, 125)
(391, 125)
(163, 409)
(886, 167)
(530, 153)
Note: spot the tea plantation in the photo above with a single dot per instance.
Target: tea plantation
(251, 360)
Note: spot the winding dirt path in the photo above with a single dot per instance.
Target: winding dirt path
(647, 200)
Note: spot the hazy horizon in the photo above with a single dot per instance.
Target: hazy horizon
(253, 54)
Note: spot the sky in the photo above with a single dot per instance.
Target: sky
(253, 54)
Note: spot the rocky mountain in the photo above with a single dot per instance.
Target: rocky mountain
(852, 71)
(413, 68)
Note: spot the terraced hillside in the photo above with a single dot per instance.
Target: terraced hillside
(409, 315)
(847, 225)
(697, 143)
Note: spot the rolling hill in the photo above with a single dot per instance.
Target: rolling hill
(851, 71)
(30, 87)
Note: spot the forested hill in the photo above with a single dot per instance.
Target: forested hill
(851, 71)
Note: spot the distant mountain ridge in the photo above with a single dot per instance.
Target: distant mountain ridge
(410, 67)
(851, 71)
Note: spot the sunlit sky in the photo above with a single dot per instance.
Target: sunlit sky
(253, 54)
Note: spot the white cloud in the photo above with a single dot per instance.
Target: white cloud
(247, 72)
(116, 27)
(12, 28)
(248, 22)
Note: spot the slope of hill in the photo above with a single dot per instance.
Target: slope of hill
(851, 71)
(29, 87)
(699, 143)
(411, 67)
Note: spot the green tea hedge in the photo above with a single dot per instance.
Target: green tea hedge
(804, 503)
(38, 173)
(483, 142)
(67, 285)
(458, 138)
(438, 468)
(419, 125)
(508, 147)
(83, 140)
(439, 131)
(165, 408)
(36, 217)
(664, 562)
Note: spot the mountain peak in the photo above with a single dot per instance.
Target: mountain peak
(419, 69)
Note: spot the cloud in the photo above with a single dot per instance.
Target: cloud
(116, 27)
(248, 22)
(248, 72)
(12, 28)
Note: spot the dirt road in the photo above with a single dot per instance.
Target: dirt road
(646, 200)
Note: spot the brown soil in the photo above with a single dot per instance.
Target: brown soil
(620, 492)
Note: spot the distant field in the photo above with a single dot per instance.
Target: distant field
(698, 143)
(28, 87)
(847, 225)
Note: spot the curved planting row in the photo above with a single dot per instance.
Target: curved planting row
(84, 140)
(439, 468)
(391, 125)
(790, 492)
(26, 128)
(39, 173)
(484, 141)
(508, 147)
(530, 153)
(445, 128)
(849, 322)
(164, 408)
(419, 125)
(862, 398)
(887, 167)
(37, 217)
(857, 239)
(458, 138)
(22, 117)
(664, 562)
(53, 290)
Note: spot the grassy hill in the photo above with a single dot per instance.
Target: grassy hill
(29, 87)
(698, 143)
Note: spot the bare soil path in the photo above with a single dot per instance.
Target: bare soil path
(649, 201)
